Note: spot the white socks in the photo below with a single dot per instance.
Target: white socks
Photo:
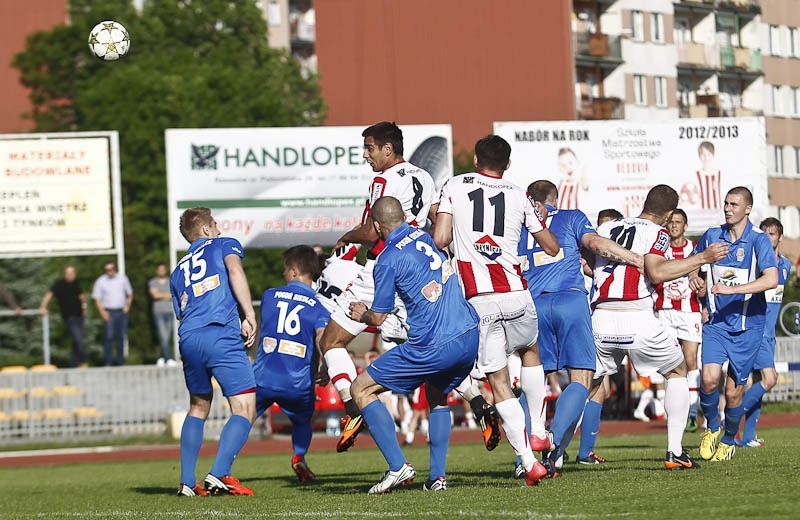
(532, 382)
(514, 425)
(341, 370)
(676, 404)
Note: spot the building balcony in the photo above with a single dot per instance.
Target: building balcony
(743, 7)
(600, 108)
(597, 45)
(740, 57)
(708, 105)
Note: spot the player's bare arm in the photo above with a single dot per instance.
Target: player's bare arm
(363, 234)
(767, 280)
(606, 248)
(359, 312)
(432, 213)
(547, 240)
(443, 232)
(661, 270)
(241, 290)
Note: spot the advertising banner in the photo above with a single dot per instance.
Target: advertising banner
(278, 187)
(55, 194)
(612, 164)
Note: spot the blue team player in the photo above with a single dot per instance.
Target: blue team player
(292, 320)
(737, 314)
(765, 377)
(441, 348)
(206, 286)
(557, 286)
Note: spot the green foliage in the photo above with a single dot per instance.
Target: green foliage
(191, 65)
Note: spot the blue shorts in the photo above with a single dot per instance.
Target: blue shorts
(405, 367)
(738, 348)
(298, 407)
(216, 350)
(565, 331)
(766, 354)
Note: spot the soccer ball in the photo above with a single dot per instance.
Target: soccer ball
(109, 40)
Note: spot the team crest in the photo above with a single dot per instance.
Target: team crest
(432, 291)
(487, 247)
(739, 254)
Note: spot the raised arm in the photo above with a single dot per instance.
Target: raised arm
(606, 248)
(660, 270)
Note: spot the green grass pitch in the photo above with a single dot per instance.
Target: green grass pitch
(759, 483)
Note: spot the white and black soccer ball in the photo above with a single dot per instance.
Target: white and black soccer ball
(109, 40)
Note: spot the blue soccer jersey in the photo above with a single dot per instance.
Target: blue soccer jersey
(201, 292)
(422, 276)
(747, 259)
(775, 296)
(287, 358)
(547, 274)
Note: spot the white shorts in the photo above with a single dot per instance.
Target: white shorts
(362, 289)
(637, 334)
(508, 323)
(683, 325)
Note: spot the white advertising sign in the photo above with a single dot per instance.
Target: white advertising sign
(55, 194)
(612, 164)
(278, 187)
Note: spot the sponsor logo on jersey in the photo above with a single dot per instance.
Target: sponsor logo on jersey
(204, 157)
(487, 247)
(739, 254)
(432, 291)
(662, 244)
(205, 285)
(401, 172)
(292, 348)
(467, 179)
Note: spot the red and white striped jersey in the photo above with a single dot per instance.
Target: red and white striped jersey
(676, 294)
(615, 282)
(340, 270)
(488, 215)
(412, 186)
(710, 194)
(568, 194)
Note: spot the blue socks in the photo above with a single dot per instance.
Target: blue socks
(301, 437)
(191, 441)
(569, 408)
(439, 433)
(590, 427)
(234, 435)
(752, 411)
(381, 427)
(733, 416)
(709, 402)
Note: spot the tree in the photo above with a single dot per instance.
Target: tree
(192, 65)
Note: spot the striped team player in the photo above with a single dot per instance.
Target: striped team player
(414, 188)
(571, 180)
(679, 309)
(338, 271)
(708, 178)
(483, 215)
(624, 322)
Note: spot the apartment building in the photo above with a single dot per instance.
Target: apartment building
(662, 59)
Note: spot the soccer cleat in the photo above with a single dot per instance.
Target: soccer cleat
(191, 491)
(543, 443)
(592, 459)
(724, 452)
(351, 427)
(708, 443)
(519, 471)
(752, 443)
(640, 415)
(301, 469)
(391, 479)
(691, 425)
(226, 485)
(440, 484)
(682, 462)
(489, 422)
(535, 475)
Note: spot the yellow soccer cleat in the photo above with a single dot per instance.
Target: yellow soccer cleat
(724, 452)
(708, 443)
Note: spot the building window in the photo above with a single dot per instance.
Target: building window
(777, 106)
(657, 27)
(778, 159)
(794, 43)
(790, 218)
(639, 89)
(774, 40)
(661, 91)
(637, 26)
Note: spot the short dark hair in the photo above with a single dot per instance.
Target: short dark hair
(708, 145)
(610, 214)
(679, 211)
(744, 192)
(386, 132)
(493, 152)
(304, 259)
(771, 222)
(192, 219)
(542, 191)
(661, 199)
(565, 150)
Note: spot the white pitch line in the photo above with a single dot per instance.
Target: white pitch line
(55, 451)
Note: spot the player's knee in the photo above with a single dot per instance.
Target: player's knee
(769, 379)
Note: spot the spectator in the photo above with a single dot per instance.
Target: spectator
(72, 304)
(113, 296)
(163, 315)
